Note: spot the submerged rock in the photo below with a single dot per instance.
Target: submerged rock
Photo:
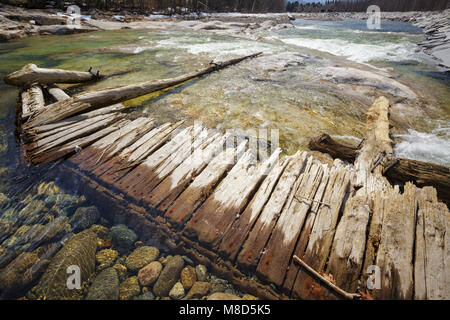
(150, 273)
(201, 272)
(141, 257)
(177, 291)
(106, 258)
(129, 288)
(223, 296)
(84, 218)
(105, 286)
(198, 290)
(146, 296)
(78, 251)
(121, 270)
(12, 277)
(123, 238)
(188, 277)
(169, 276)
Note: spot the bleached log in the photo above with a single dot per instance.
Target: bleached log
(32, 73)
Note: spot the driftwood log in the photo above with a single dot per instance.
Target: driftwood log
(97, 99)
(31, 73)
(397, 170)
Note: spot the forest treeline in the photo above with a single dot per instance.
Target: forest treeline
(362, 5)
(168, 6)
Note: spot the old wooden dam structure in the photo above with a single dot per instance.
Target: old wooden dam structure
(294, 226)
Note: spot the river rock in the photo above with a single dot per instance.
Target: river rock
(106, 258)
(122, 238)
(198, 290)
(48, 188)
(78, 251)
(201, 272)
(223, 296)
(129, 288)
(121, 270)
(84, 218)
(105, 286)
(150, 273)
(141, 257)
(169, 276)
(188, 277)
(146, 296)
(12, 276)
(3, 199)
(102, 232)
(177, 291)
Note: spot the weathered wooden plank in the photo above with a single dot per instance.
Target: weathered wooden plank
(199, 189)
(84, 130)
(171, 187)
(215, 216)
(431, 260)
(302, 243)
(73, 120)
(251, 250)
(322, 233)
(278, 251)
(32, 100)
(159, 171)
(141, 172)
(54, 112)
(46, 138)
(73, 146)
(378, 208)
(114, 169)
(238, 232)
(108, 147)
(395, 254)
(347, 253)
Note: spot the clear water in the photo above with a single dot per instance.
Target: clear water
(278, 91)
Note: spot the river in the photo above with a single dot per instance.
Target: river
(279, 91)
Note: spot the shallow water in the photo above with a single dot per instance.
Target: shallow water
(278, 92)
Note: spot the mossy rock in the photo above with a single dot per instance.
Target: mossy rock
(78, 251)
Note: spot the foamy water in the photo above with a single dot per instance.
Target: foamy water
(218, 48)
(352, 39)
(359, 52)
(434, 146)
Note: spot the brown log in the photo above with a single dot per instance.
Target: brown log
(326, 144)
(95, 99)
(397, 170)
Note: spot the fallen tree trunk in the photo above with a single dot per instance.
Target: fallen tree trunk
(326, 144)
(397, 170)
(112, 96)
(97, 99)
(31, 73)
